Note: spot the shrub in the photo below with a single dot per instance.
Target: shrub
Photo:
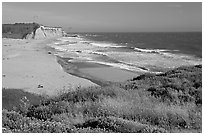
(15, 122)
(88, 94)
(40, 112)
(114, 124)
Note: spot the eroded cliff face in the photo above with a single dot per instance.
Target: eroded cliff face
(45, 32)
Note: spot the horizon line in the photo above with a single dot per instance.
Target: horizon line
(137, 32)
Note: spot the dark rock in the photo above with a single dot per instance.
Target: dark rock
(40, 86)
(198, 66)
(78, 51)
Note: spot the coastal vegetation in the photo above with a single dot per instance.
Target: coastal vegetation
(18, 30)
(167, 102)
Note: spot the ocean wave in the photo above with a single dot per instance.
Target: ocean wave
(60, 41)
(63, 39)
(151, 50)
(182, 56)
(59, 48)
(81, 59)
(135, 59)
(106, 45)
(57, 43)
(167, 60)
(92, 35)
(85, 42)
(98, 53)
(121, 66)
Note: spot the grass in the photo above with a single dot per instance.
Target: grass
(13, 98)
(137, 106)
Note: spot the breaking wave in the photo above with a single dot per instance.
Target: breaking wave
(117, 55)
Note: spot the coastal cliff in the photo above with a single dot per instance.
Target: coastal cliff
(45, 32)
(30, 31)
(18, 30)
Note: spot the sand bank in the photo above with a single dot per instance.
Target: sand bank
(27, 65)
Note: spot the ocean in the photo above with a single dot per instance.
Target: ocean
(135, 52)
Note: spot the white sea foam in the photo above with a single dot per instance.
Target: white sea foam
(85, 42)
(121, 66)
(168, 60)
(56, 43)
(181, 56)
(81, 59)
(93, 35)
(150, 50)
(98, 53)
(106, 45)
(59, 48)
(64, 40)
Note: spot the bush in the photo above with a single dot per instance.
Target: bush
(114, 124)
(40, 112)
(15, 122)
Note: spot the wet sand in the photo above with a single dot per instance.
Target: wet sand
(27, 65)
(98, 73)
(109, 73)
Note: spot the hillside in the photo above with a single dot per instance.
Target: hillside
(18, 30)
(30, 31)
(177, 86)
(168, 102)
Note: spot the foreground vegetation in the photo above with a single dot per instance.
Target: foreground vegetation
(169, 102)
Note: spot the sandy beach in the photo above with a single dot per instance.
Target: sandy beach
(27, 65)
(76, 62)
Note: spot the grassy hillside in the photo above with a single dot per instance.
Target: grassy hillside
(12, 99)
(169, 102)
(18, 30)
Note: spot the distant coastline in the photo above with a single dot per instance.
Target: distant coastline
(30, 31)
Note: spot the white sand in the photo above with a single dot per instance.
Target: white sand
(26, 64)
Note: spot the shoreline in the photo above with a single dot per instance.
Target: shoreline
(103, 75)
(73, 70)
(99, 73)
(52, 68)
(82, 54)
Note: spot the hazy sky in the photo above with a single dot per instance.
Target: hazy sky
(108, 17)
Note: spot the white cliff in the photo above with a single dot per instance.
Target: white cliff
(45, 32)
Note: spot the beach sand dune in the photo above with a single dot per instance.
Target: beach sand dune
(27, 65)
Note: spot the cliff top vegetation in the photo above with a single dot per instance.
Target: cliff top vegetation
(18, 30)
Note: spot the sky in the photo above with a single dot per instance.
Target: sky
(108, 17)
